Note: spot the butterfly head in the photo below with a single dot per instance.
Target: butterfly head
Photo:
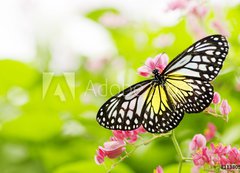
(155, 72)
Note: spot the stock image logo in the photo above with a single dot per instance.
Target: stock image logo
(61, 86)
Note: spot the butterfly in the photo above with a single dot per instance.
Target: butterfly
(159, 104)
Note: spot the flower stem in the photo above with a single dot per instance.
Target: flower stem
(179, 151)
(135, 148)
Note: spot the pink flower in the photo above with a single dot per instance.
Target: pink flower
(220, 149)
(225, 108)
(177, 4)
(99, 158)
(197, 9)
(129, 136)
(163, 40)
(197, 142)
(159, 169)
(112, 20)
(216, 98)
(140, 130)
(159, 62)
(220, 27)
(210, 132)
(234, 156)
(198, 159)
(113, 149)
(196, 27)
(206, 154)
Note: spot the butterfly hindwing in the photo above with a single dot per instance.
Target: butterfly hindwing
(159, 115)
(122, 111)
(193, 95)
(203, 60)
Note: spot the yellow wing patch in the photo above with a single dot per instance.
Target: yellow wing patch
(159, 100)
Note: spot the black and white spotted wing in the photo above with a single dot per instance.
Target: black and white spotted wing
(203, 60)
(123, 111)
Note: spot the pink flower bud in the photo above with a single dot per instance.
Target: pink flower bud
(197, 142)
(216, 98)
(159, 169)
(99, 160)
(210, 132)
(225, 108)
(99, 157)
(113, 149)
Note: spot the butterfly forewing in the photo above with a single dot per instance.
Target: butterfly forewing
(122, 111)
(203, 60)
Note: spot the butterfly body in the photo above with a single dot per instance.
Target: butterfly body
(158, 104)
(158, 78)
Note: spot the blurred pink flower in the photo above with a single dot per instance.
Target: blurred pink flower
(237, 85)
(177, 4)
(113, 20)
(234, 156)
(195, 169)
(159, 62)
(210, 132)
(220, 27)
(198, 10)
(225, 108)
(197, 142)
(216, 98)
(196, 27)
(198, 159)
(159, 169)
(163, 40)
(220, 149)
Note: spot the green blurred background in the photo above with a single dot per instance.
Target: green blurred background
(60, 60)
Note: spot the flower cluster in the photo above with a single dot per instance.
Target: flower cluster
(214, 156)
(116, 146)
(223, 106)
